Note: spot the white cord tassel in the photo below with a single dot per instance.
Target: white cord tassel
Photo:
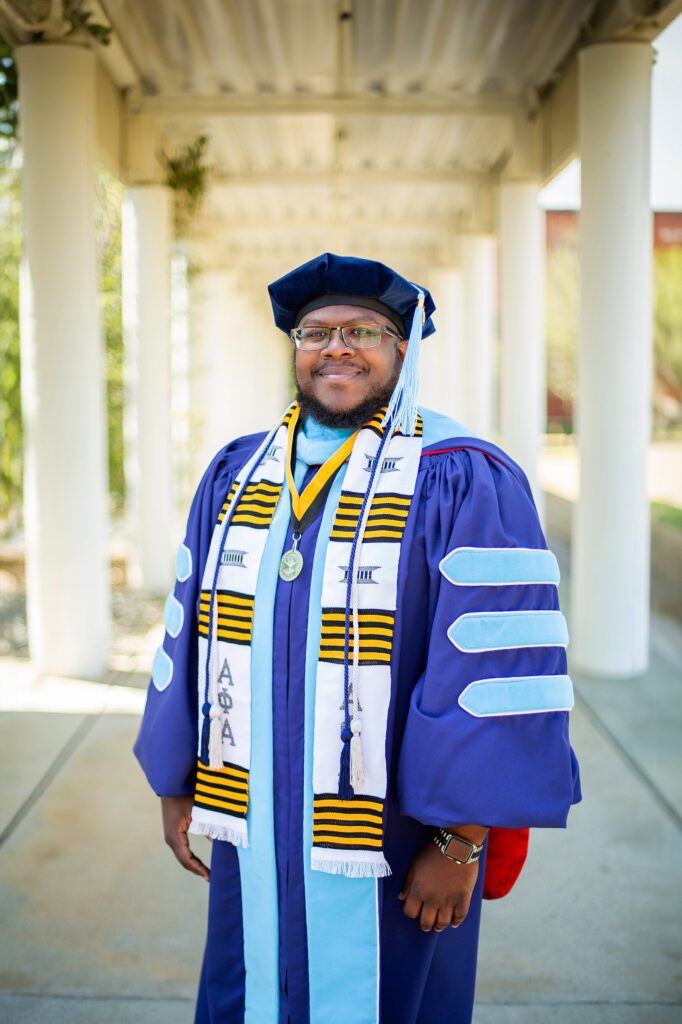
(357, 768)
(215, 737)
(402, 408)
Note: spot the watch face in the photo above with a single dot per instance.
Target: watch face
(458, 849)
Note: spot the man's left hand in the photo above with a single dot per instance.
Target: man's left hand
(437, 890)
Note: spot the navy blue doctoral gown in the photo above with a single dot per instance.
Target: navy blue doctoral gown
(287, 945)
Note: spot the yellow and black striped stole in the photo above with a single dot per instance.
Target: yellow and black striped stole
(256, 506)
(375, 424)
(234, 615)
(355, 824)
(385, 522)
(286, 420)
(223, 789)
(376, 636)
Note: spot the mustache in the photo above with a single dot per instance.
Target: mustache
(335, 368)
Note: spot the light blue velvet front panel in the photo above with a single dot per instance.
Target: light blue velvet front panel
(489, 567)
(493, 631)
(520, 695)
(341, 913)
(438, 427)
(257, 863)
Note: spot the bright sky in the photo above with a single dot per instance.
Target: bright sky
(563, 193)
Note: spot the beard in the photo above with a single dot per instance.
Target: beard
(358, 415)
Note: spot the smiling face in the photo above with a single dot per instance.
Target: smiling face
(342, 386)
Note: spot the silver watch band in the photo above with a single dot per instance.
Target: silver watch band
(456, 847)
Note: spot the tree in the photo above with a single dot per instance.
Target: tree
(108, 234)
(11, 430)
(668, 322)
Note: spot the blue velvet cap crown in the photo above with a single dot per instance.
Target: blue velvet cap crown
(347, 276)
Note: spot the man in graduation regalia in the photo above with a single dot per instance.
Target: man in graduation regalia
(361, 695)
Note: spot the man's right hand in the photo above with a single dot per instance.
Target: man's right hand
(176, 812)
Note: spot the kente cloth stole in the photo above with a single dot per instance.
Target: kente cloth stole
(353, 685)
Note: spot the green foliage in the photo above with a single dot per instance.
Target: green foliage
(11, 430)
(668, 316)
(671, 515)
(80, 19)
(9, 106)
(186, 175)
(563, 305)
(108, 235)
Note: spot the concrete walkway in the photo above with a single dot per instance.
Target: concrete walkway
(98, 923)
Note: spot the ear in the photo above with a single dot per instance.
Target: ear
(402, 348)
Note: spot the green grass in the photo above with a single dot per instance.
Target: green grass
(671, 515)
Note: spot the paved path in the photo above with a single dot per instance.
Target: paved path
(99, 925)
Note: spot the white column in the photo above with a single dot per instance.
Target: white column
(441, 376)
(239, 372)
(479, 264)
(146, 323)
(610, 596)
(210, 366)
(63, 395)
(522, 383)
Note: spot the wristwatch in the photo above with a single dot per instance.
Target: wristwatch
(456, 848)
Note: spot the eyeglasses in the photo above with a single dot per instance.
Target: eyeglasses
(313, 339)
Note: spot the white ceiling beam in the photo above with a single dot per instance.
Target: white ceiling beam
(344, 45)
(114, 57)
(362, 177)
(278, 63)
(203, 77)
(145, 51)
(314, 225)
(183, 106)
(227, 44)
(433, 17)
(399, 22)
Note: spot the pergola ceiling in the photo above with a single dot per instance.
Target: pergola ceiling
(340, 124)
(333, 119)
(327, 47)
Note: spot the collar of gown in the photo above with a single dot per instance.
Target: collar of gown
(316, 443)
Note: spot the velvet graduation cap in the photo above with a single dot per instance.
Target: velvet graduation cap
(333, 280)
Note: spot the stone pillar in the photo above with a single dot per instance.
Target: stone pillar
(610, 595)
(239, 364)
(479, 264)
(522, 377)
(442, 381)
(146, 323)
(62, 375)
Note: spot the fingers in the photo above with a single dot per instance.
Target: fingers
(427, 918)
(443, 918)
(432, 917)
(199, 868)
(413, 906)
(179, 844)
(460, 910)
